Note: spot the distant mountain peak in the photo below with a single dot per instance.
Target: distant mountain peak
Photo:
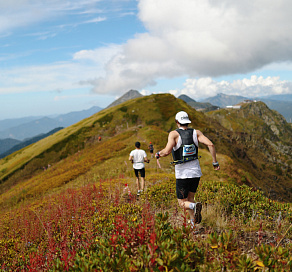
(222, 100)
(197, 105)
(127, 96)
(186, 98)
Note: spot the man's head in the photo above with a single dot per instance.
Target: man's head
(137, 144)
(182, 118)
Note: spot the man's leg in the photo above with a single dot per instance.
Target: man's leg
(185, 204)
(142, 171)
(190, 199)
(137, 179)
(138, 184)
(142, 183)
(194, 209)
(185, 190)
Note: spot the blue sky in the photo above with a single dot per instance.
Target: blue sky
(60, 56)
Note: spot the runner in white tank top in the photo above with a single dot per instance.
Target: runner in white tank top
(188, 173)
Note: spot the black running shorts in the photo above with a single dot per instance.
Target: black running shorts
(142, 172)
(184, 186)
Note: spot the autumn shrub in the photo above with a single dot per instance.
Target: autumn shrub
(148, 245)
(93, 229)
(162, 194)
(242, 201)
(274, 258)
(56, 229)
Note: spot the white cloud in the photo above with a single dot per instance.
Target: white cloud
(200, 39)
(95, 20)
(59, 75)
(99, 56)
(21, 13)
(253, 87)
(187, 38)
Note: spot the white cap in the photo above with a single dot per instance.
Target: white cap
(182, 117)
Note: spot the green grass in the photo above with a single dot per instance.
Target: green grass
(76, 213)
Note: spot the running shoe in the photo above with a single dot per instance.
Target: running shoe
(197, 213)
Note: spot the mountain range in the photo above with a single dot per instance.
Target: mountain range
(20, 131)
(68, 202)
(9, 146)
(23, 128)
(280, 103)
(200, 106)
(253, 145)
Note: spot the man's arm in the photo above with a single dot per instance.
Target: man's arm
(131, 158)
(204, 140)
(170, 144)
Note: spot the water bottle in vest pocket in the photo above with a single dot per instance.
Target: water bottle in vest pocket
(189, 150)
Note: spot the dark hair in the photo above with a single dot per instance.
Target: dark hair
(184, 125)
(137, 144)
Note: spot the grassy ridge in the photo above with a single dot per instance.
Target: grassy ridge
(77, 212)
(74, 150)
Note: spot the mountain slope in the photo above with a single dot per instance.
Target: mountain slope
(283, 107)
(266, 139)
(70, 201)
(222, 100)
(257, 118)
(282, 104)
(75, 153)
(19, 145)
(14, 122)
(28, 129)
(6, 144)
(205, 107)
(125, 97)
(73, 117)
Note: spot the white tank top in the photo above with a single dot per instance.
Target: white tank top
(189, 169)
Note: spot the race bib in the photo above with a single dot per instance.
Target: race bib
(189, 150)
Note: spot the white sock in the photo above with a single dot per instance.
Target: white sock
(192, 205)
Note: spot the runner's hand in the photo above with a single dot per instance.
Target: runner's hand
(157, 155)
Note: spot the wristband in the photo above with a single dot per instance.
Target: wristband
(157, 155)
(215, 164)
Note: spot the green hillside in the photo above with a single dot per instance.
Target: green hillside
(64, 204)
(264, 142)
(150, 118)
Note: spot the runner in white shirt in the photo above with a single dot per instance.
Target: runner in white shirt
(138, 157)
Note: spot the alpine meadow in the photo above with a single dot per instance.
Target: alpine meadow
(68, 202)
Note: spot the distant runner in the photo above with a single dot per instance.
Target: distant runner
(138, 157)
(183, 144)
(151, 149)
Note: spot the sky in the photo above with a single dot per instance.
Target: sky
(61, 56)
